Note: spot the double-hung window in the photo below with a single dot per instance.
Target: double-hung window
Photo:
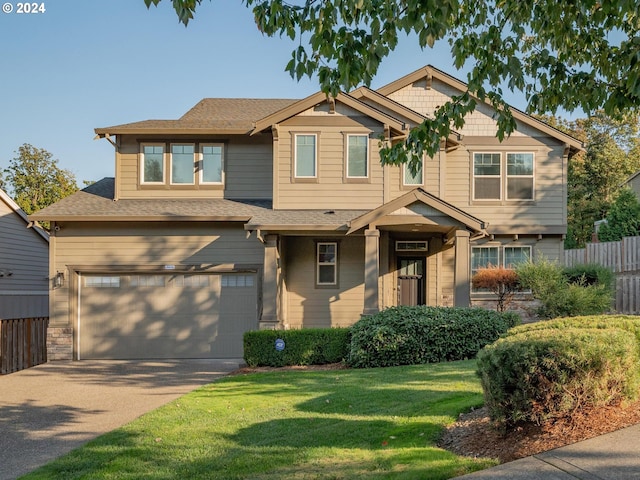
(182, 164)
(305, 156)
(357, 156)
(212, 166)
(326, 263)
(152, 163)
(498, 176)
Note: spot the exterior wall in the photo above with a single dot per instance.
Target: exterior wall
(313, 307)
(248, 166)
(145, 246)
(25, 254)
(330, 189)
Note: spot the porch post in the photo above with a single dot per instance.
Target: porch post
(462, 292)
(371, 271)
(269, 318)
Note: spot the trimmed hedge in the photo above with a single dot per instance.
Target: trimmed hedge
(537, 374)
(422, 334)
(309, 346)
(628, 323)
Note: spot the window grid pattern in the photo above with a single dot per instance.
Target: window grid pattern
(305, 161)
(152, 164)
(212, 164)
(182, 164)
(357, 156)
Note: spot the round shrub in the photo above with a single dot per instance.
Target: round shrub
(422, 334)
(541, 374)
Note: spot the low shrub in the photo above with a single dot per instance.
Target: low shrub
(589, 274)
(502, 282)
(309, 346)
(422, 334)
(539, 374)
(559, 297)
(628, 323)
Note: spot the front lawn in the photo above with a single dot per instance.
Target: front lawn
(378, 423)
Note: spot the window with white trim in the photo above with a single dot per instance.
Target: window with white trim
(326, 263)
(498, 176)
(152, 164)
(212, 164)
(498, 256)
(411, 178)
(182, 164)
(305, 156)
(357, 156)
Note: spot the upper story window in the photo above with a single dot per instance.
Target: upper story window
(305, 156)
(152, 164)
(357, 156)
(212, 167)
(503, 177)
(410, 178)
(182, 164)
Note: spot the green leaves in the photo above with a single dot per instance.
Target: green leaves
(573, 55)
(36, 181)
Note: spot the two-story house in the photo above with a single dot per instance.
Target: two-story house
(249, 213)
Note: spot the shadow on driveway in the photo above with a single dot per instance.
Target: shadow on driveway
(48, 410)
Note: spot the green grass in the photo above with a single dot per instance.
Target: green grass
(341, 424)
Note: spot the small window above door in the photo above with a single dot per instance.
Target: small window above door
(413, 246)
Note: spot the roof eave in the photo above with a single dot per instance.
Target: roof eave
(103, 132)
(138, 218)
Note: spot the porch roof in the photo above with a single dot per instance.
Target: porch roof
(419, 195)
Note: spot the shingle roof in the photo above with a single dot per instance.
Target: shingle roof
(95, 203)
(209, 115)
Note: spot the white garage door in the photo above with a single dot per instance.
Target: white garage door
(149, 316)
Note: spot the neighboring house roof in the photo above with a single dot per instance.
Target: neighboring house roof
(630, 179)
(306, 103)
(429, 72)
(210, 115)
(16, 208)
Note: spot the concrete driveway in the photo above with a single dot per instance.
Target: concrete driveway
(48, 410)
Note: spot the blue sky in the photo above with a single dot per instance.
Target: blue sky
(86, 64)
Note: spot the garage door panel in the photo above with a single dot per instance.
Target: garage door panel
(165, 316)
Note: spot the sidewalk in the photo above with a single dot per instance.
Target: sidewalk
(614, 456)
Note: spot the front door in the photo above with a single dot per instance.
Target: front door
(411, 281)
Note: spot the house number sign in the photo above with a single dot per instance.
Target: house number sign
(279, 344)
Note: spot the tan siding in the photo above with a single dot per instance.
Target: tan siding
(331, 190)
(309, 306)
(145, 245)
(425, 101)
(248, 166)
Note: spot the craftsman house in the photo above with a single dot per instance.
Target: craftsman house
(251, 213)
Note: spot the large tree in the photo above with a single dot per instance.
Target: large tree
(34, 179)
(582, 54)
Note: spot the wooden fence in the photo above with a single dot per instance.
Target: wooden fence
(23, 343)
(623, 258)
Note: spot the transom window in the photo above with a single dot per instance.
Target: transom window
(411, 178)
(357, 156)
(182, 164)
(503, 177)
(212, 163)
(305, 161)
(152, 164)
(326, 263)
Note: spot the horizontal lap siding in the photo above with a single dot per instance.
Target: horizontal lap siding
(309, 306)
(25, 254)
(331, 190)
(148, 244)
(248, 169)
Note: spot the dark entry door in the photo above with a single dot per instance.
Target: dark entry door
(411, 280)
